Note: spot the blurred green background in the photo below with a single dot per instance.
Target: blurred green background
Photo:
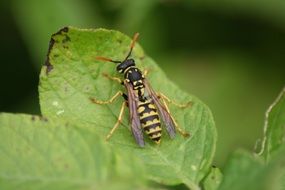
(231, 54)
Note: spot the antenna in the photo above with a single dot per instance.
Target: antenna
(107, 59)
(129, 54)
(132, 44)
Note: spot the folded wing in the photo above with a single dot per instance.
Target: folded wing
(164, 114)
(134, 118)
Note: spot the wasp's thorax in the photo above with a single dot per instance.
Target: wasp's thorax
(132, 75)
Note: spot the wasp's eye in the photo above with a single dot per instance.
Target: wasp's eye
(121, 67)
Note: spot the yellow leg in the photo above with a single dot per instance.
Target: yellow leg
(119, 93)
(145, 72)
(118, 121)
(174, 103)
(113, 78)
(181, 131)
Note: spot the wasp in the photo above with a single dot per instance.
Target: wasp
(147, 108)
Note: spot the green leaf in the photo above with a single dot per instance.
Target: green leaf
(241, 171)
(73, 76)
(274, 129)
(36, 153)
(213, 179)
(247, 171)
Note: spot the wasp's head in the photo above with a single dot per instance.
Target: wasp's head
(125, 64)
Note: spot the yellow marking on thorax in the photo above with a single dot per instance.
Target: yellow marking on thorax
(129, 69)
(126, 81)
(138, 81)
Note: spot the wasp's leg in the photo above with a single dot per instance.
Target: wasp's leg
(119, 93)
(160, 95)
(118, 121)
(181, 131)
(113, 78)
(145, 73)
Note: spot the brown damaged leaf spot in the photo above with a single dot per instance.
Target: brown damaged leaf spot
(66, 39)
(33, 118)
(41, 118)
(48, 65)
(119, 41)
(65, 46)
(62, 31)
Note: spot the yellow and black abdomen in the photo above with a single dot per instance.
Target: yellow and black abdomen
(149, 119)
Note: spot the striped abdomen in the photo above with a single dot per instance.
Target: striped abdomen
(149, 119)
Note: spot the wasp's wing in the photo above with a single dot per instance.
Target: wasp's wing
(165, 115)
(134, 118)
